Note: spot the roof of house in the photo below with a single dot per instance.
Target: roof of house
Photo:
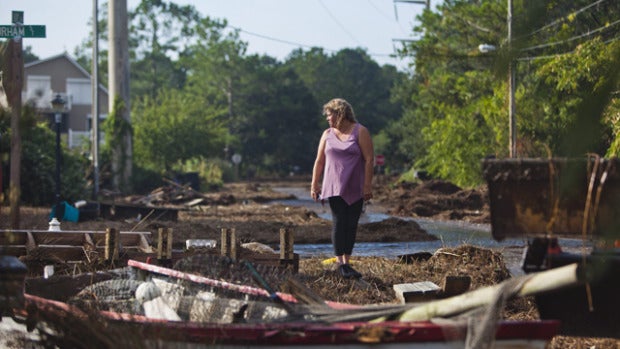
(71, 60)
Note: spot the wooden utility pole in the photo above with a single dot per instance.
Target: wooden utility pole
(118, 85)
(13, 86)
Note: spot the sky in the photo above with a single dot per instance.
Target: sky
(271, 27)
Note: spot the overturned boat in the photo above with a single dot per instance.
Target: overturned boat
(149, 306)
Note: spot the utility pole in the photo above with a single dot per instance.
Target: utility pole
(511, 88)
(118, 84)
(13, 85)
(95, 97)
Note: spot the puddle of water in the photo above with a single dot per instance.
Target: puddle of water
(450, 234)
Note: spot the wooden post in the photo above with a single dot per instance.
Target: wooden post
(286, 244)
(229, 243)
(288, 258)
(164, 243)
(112, 244)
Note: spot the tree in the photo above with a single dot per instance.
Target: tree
(279, 133)
(29, 56)
(455, 109)
(175, 127)
(38, 161)
(353, 75)
(159, 31)
(450, 119)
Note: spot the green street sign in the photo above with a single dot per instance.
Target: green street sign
(24, 31)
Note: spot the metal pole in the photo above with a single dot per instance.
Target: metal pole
(95, 107)
(511, 89)
(57, 118)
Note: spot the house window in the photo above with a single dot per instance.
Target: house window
(79, 90)
(39, 90)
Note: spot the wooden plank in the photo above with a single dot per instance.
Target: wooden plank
(14, 250)
(6, 234)
(57, 238)
(10, 237)
(134, 241)
(416, 291)
(72, 237)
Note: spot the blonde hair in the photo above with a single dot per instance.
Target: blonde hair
(340, 110)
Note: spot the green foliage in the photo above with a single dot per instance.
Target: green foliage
(278, 131)
(353, 75)
(144, 180)
(455, 103)
(210, 171)
(118, 145)
(38, 165)
(586, 79)
(613, 118)
(409, 176)
(173, 128)
(160, 30)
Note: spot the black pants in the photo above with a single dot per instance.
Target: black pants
(345, 218)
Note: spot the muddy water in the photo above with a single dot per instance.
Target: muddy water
(450, 234)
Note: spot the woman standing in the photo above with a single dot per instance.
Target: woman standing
(345, 161)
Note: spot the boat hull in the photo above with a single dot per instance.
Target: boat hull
(153, 333)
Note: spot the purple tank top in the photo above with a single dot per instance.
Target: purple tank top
(344, 167)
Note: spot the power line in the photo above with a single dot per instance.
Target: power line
(574, 13)
(533, 58)
(386, 16)
(335, 19)
(592, 32)
(282, 41)
(297, 44)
